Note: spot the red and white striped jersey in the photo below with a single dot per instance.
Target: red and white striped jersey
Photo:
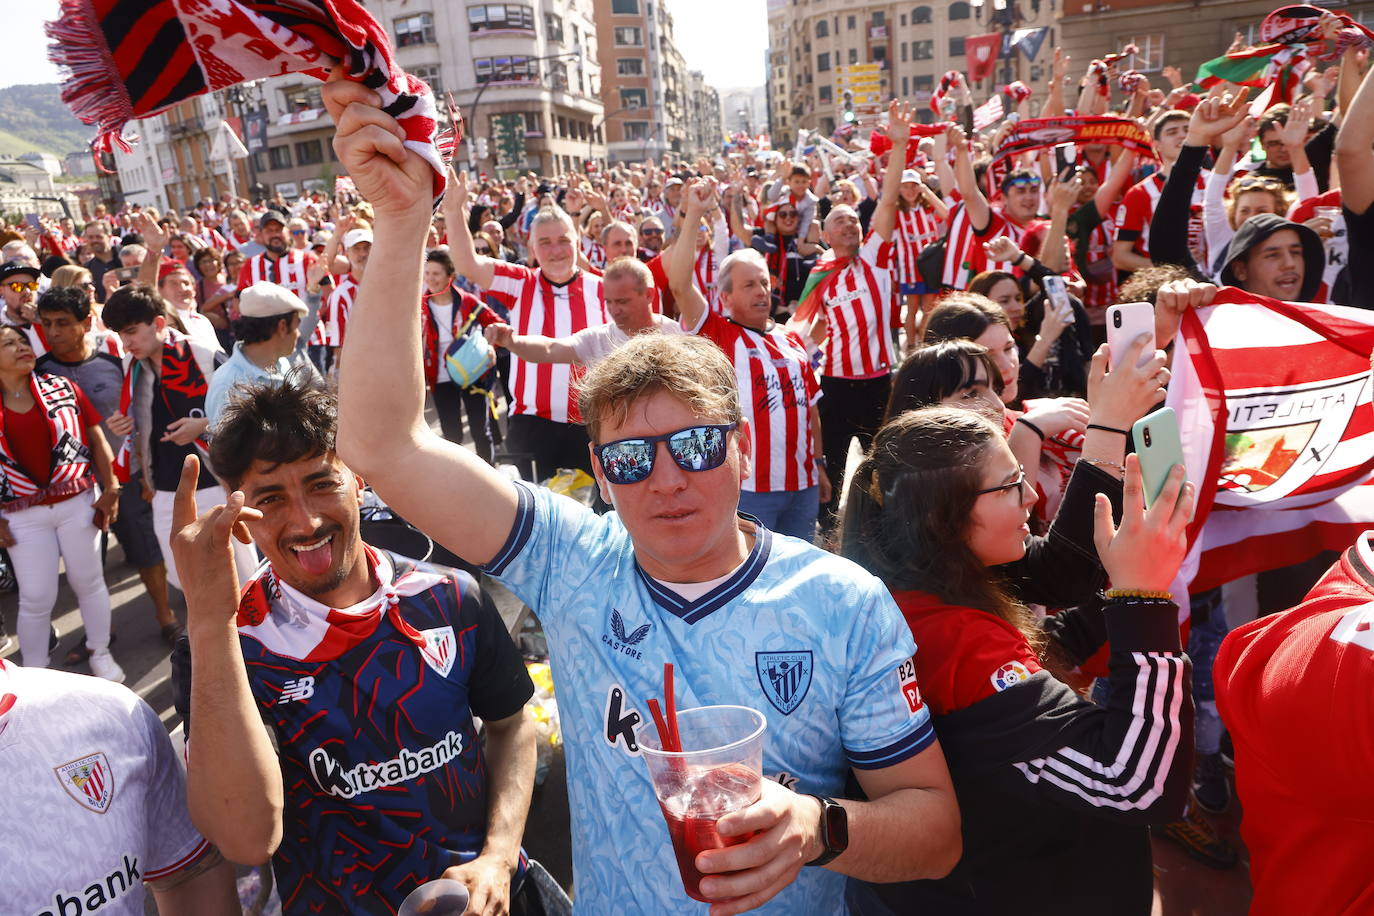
(1138, 209)
(595, 252)
(859, 311)
(917, 229)
(704, 277)
(211, 236)
(964, 254)
(777, 387)
(333, 323)
(289, 270)
(538, 306)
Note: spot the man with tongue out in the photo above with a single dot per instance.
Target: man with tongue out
(366, 670)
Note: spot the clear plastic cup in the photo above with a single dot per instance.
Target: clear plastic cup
(440, 897)
(719, 770)
(1329, 213)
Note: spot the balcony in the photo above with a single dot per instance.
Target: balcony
(185, 127)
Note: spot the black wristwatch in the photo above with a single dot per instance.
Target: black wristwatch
(834, 830)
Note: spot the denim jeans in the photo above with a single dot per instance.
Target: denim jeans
(790, 512)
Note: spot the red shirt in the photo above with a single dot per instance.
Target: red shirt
(30, 440)
(1296, 690)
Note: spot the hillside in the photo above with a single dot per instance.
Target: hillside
(34, 120)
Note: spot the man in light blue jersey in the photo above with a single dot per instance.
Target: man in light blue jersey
(673, 575)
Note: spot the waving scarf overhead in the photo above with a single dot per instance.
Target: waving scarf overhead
(1274, 409)
(131, 59)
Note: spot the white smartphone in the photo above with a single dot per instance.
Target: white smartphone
(1125, 324)
(1057, 293)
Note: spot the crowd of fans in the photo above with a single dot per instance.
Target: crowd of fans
(209, 385)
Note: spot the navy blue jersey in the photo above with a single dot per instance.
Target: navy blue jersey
(372, 709)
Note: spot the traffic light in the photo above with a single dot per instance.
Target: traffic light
(481, 147)
(848, 105)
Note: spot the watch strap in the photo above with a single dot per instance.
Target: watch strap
(830, 852)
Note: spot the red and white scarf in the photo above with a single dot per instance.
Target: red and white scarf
(71, 453)
(135, 59)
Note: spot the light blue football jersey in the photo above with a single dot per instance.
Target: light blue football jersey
(807, 638)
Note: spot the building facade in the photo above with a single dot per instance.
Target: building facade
(813, 42)
(703, 116)
(644, 85)
(532, 63)
(1182, 35)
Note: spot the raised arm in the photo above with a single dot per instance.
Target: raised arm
(382, 431)
(899, 118)
(975, 202)
(477, 268)
(1355, 149)
(698, 200)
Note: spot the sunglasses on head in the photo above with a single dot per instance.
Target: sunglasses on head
(697, 448)
(1258, 183)
(1025, 182)
(19, 286)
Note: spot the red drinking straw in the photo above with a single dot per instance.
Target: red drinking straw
(668, 735)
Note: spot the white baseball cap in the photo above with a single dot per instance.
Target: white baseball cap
(911, 175)
(354, 236)
(268, 300)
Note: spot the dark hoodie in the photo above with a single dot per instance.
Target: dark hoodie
(1169, 229)
(1260, 227)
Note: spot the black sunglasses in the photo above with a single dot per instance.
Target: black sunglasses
(651, 232)
(1019, 485)
(697, 448)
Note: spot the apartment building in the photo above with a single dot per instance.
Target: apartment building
(1181, 34)
(813, 42)
(644, 80)
(703, 116)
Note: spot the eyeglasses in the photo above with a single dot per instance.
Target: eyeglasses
(31, 286)
(651, 232)
(1019, 485)
(697, 448)
(787, 214)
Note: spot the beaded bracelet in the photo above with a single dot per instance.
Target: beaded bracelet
(1032, 427)
(1137, 593)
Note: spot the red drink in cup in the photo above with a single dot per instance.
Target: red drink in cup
(717, 771)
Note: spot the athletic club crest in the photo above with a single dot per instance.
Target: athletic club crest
(785, 677)
(439, 649)
(89, 781)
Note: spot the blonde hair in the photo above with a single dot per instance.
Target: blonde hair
(693, 370)
(70, 275)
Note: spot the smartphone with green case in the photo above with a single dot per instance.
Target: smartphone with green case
(1159, 448)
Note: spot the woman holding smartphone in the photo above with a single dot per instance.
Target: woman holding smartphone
(52, 451)
(1056, 793)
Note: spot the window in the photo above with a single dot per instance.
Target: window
(628, 36)
(533, 124)
(824, 93)
(309, 152)
(636, 130)
(823, 62)
(956, 47)
(260, 161)
(851, 22)
(553, 27)
(879, 53)
(415, 30)
(634, 98)
(906, 86)
(923, 50)
(920, 15)
(822, 28)
(625, 7)
(1150, 58)
(500, 17)
(879, 18)
(903, 20)
(430, 74)
(958, 10)
(279, 157)
(629, 66)
(506, 69)
(301, 98)
(853, 55)
(904, 51)
(924, 83)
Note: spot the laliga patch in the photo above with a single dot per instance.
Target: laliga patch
(439, 649)
(906, 679)
(1009, 675)
(89, 781)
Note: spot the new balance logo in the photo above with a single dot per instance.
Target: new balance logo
(299, 689)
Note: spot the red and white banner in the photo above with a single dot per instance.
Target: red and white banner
(1273, 400)
(988, 113)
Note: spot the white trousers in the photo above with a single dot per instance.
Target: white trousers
(245, 555)
(43, 535)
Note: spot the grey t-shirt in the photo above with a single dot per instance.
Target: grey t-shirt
(101, 377)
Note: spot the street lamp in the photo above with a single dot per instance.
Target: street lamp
(574, 54)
